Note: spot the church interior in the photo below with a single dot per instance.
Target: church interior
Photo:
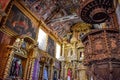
(59, 39)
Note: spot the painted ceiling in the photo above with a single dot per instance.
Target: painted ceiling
(58, 15)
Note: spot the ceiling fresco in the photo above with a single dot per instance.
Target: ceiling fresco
(59, 15)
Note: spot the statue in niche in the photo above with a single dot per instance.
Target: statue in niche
(17, 44)
(16, 68)
(45, 74)
(55, 75)
(69, 74)
(20, 46)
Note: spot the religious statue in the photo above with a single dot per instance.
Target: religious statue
(69, 75)
(16, 68)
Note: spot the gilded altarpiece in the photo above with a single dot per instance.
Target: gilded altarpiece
(20, 29)
(4, 41)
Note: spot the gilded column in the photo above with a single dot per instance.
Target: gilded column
(9, 62)
(63, 48)
(82, 73)
(62, 62)
(41, 71)
(51, 72)
(32, 68)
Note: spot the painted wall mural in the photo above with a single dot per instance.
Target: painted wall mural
(51, 47)
(20, 23)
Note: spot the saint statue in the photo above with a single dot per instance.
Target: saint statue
(16, 68)
(69, 74)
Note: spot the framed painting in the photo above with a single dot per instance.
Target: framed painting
(18, 22)
(3, 4)
(51, 46)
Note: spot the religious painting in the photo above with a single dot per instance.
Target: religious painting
(16, 69)
(3, 4)
(42, 40)
(20, 23)
(51, 47)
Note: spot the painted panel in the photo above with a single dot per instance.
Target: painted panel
(20, 23)
(51, 47)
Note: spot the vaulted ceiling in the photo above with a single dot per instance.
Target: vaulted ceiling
(61, 15)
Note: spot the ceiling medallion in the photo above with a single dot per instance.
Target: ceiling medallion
(96, 11)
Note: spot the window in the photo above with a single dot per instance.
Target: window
(58, 50)
(42, 40)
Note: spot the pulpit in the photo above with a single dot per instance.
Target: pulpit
(102, 54)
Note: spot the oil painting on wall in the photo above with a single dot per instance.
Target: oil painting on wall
(51, 47)
(20, 23)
